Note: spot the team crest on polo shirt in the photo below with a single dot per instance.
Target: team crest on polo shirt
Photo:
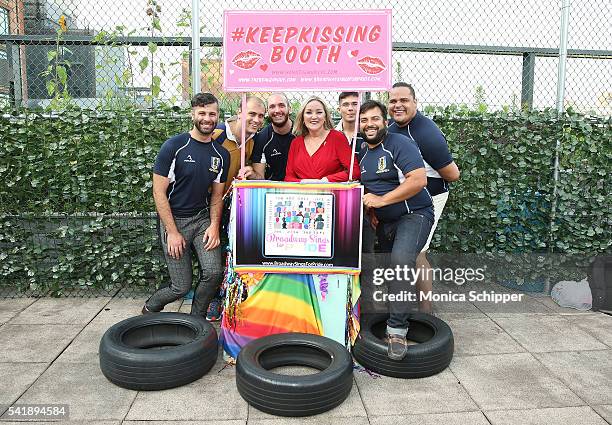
(215, 163)
(382, 165)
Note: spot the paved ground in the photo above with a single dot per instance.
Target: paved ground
(525, 363)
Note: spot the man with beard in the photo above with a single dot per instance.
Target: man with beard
(272, 143)
(438, 160)
(229, 134)
(393, 174)
(188, 180)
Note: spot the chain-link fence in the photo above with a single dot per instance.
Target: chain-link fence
(483, 53)
(76, 212)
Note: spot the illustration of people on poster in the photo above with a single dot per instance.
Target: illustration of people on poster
(301, 224)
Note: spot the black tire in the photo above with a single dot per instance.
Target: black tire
(158, 351)
(284, 395)
(432, 355)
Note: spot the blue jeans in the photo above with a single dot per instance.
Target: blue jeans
(404, 239)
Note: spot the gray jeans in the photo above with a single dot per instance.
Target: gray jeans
(181, 272)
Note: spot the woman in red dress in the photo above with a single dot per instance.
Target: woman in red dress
(318, 153)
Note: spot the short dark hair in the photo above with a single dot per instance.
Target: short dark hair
(203, 99)
(371, 104)
(347, 94)
(409, 86)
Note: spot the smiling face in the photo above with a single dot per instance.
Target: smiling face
(348, 108)
(314, 116)
(254, 116)
(373, 125)
(278, 110)
(402, 105)
(205, 118)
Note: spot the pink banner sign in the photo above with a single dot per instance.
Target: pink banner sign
(337, 50)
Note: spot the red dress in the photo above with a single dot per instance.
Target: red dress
(331, 160)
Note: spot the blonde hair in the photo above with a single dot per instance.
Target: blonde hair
(299, 128)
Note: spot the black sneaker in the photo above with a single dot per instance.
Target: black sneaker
(145, 310)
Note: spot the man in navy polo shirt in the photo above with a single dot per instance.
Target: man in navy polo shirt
(439, 164)
(393, 174)
(272, 143)
(188, 180)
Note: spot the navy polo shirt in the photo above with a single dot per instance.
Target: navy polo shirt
(272, 149)
(383, 168)
(433, 147)
(192, 168)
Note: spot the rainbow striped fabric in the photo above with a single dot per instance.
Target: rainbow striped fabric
(279, 303)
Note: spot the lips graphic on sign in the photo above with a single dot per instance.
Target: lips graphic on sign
(246, 59)
(371, 65)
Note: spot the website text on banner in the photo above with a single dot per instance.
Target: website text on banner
(307, 50)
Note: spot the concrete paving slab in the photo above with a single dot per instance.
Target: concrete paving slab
(351, 407)
(66, 311)
(89, 395)
(598, 325)
(123, 308)
(118, 310)
(511, 381)
(35, 343)
(11, 307)
(212, 396)
(86, 422)
(459, 316)
(551, 416)
(387, 396)
(211, 422)
(587, 373)
(604, 411)
(455, 418)
(481, 336)
(539, 334)
(84, 348)
(312, 420)
(526, 305)
(466, 307)
(222, 367)
(16, 378)
(548, 302)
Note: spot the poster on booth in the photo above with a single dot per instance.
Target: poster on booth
(300, 223)
(334, 50)
(283, 227)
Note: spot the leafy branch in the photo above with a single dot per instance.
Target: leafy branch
(57, 70)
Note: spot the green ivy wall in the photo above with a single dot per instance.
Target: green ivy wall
(76, 210)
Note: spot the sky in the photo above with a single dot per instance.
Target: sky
(440, 78)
